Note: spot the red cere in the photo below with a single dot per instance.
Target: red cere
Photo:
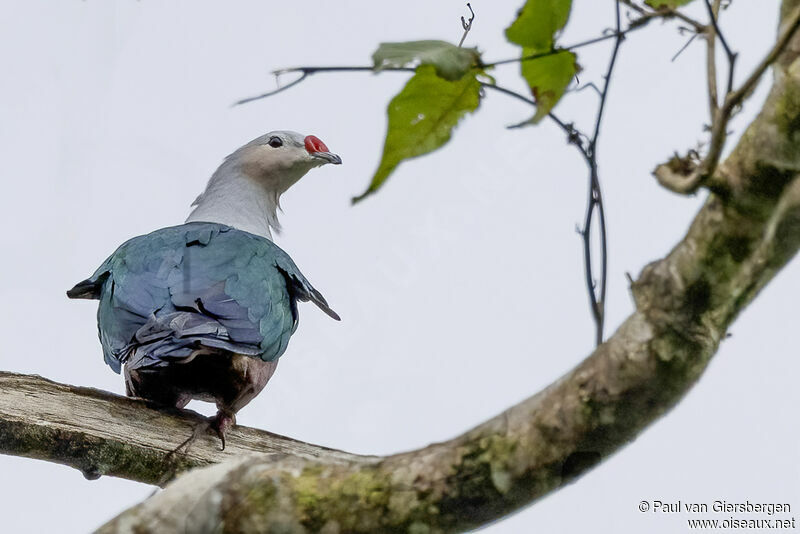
(314, 144)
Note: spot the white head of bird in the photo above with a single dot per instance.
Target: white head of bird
(245, 191)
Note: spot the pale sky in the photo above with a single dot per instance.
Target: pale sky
(460, 284)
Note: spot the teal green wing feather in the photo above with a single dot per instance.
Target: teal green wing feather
(205, 284)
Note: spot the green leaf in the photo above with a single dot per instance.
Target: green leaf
(537, 22)
(422, 117)
(672, 4)
(534, 30)
(548, 78)
(451, 62)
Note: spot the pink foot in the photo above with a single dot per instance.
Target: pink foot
(221, 423)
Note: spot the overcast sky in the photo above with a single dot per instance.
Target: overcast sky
(460, 284)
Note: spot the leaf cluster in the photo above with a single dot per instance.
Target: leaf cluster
(447, 82)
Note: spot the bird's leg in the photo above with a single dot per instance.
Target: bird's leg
(221, 423)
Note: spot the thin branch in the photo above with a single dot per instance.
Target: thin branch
(713, 13)
(666, 13)
(685, 46)
(574, 137)
(558, 50)
(620, 36)
(587, 85)
(467, 25)
(597, 297)
(634, 25)
(711, 65)
(270, 93)
(308, 71)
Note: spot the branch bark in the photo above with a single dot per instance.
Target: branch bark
(100, 433)
(748, 229)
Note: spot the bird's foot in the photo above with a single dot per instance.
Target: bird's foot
(221, 423)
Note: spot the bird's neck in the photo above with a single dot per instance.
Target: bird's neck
(235, 199)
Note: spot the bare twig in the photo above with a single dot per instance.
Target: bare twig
(711, 64)
(275, 92)
(588, 85)
(597, 292)
(558, 50)
(467, 25)
(308, 71)
(713, 13)
(620, 36)
(685, 46)
(666, 13)
(574, 136)
(633, 25)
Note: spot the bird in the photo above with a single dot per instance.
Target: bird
(204, 310)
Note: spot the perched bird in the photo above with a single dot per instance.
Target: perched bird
(205, 309)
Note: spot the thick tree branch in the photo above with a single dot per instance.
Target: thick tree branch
(100, 433)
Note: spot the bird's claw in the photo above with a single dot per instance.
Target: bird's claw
(221, 423)
(220, 435)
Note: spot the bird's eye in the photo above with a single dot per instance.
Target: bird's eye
(275, 142)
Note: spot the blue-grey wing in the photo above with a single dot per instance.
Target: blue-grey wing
(199, 285)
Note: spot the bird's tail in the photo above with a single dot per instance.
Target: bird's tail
(88, 289)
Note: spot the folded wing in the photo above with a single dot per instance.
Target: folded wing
(165, 295)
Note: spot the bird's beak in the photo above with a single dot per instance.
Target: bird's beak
(317, 148)
(328, 157)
